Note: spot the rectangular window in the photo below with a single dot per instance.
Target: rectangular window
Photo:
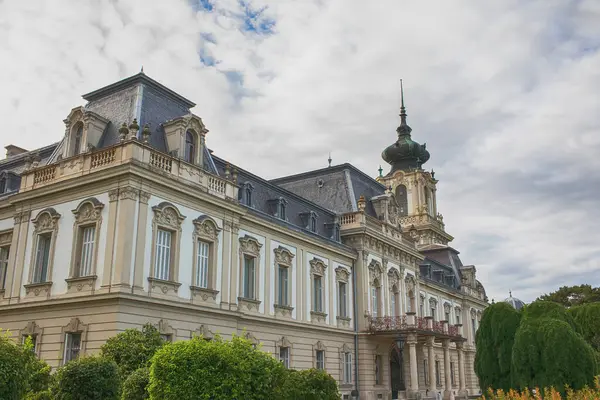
(249, 277)
(72, 346)
(86, 255)
(343, 299)
(426, 371)
(347, 371)
(284, 356)
(438, 377)
(318, 293)
(4, 252)
(393, 305)
(162, 263)
(283, 286)
(33, 341)
(452, 378)
(474, 327)
(457, 317)
(375, 301)
(320, 355)
(202, 262)
(378, 366)
(433, 313)
(42, 257)
(282, 211)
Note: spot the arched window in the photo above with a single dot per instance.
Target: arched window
(77, 140)
(376, 297)
(402, 199)
(410, 304)
(313, 223)
(395, 301)
(190, 147)
(249, 196)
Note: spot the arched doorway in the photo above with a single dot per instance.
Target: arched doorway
(397, 372)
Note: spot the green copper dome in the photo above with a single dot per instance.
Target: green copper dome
(405, 153)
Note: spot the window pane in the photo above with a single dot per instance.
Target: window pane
(162, 264)
(4, 252)
(87, 250)
(284, 356)
(249, 277)
(347, 368)
(202, 273)
(342, 299)
(393, 304)
(318, 293)
(72, 346)
(42, 258)
(283, 286)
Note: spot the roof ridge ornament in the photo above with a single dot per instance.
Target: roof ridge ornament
(403, 129)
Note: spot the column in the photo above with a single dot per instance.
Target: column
(412, 359)
(447, 376)
(461, 369)
(431, 364)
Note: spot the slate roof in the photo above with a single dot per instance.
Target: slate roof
(12, 167)
(336, 188)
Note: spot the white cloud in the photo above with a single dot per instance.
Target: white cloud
(504, 94)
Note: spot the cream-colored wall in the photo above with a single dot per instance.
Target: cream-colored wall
(6, 224)
(64, 243)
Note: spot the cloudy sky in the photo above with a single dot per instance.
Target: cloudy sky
(505, 93)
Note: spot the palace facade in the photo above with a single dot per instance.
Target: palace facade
(131, 219)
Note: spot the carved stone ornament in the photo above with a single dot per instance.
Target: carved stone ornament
(473, 313)
(167, 215)
(144, 197)
(204, 293)
(447, 307)
(317, 267)
(164, 328)
(283, 256)
(320, 346)
(394, 279)
(283, 342)
(75, 325)
(343, 322)
(410, 283)
(245, 304)
(250, 245)
(249, 336)
(432, 302)
(113, 195)
(128, 193)
(318, 317)
(204, 332)
(375, 272)
(89, 210)
(346, 348)
(342, 274)
(206, 227)
(457, 310)
(46, 220)
(283, 311)
(478, 315)
(6, 237)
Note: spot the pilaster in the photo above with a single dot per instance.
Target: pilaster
(362, 289)
(462, 388)
(431, 363)
(140, 247)
(16, 257)
(447, 376)
(300, 290)
(269, 270)
(226, 264)
(235, 265)
(113, 200)
(128, 198)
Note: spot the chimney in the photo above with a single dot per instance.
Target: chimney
(12, 150)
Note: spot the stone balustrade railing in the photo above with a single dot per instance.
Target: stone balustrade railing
(127, 152)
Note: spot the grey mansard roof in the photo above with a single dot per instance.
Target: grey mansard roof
(12, 167)
(335, 188)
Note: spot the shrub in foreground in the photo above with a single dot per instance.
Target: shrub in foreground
(87, 378)
(135, 386)
(546, 394)
(310, 384)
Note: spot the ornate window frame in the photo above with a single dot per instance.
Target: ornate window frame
(342, 275)
(252, 339)
(433, 304)
(447, 311)
(282, 344)
(344, 350)
(376, 271)
(45, 223)
(394, 284)
(34, 330)
(319, 346)
(166, 217)
(207, 230)
(458, 313)
(176, 131)
(422, 299)
(318, 268)
(249, 247)
(246, 193)
(411, 286)
(74, 326)
(279, 208)
(5, 245)
(87, 214)
(203, 332)
(283, 259)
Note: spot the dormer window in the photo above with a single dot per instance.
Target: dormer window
(282, 210)
(245, 194)
(190, 147)
(309, 221)
(2, 185)
(278, 208)
(313, 223)
(77, 140)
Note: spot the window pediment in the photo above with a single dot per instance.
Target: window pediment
(410, 282)
(46, 220)
(447, 307)
(432, 302)
(89, 210)
(206, 227)
(375, 272)
(393, 277)
(317, 267)
(167, 215)
(342, 274)
(283, 256)
(250, 245)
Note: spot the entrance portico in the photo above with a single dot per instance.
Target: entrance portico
(438, 339)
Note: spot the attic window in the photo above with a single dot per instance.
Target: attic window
(313, 223)
(246, 194)
(190, 147)
(278, 208)
(77, 140)
(2, 185)
(282, 209)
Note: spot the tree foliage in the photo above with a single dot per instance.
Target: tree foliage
(136, 385)
(217, 370)
(132, 349)
(21, 373)
(494, 341)
(310, 384)
(87, 378)
(587, 319)
(570, 296)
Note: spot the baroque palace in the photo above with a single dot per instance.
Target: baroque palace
(131, 219)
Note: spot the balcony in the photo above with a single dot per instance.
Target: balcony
(421, 219)
(132, 152)
(411, 323)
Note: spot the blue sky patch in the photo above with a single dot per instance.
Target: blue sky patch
(255, 20)
(202, 5)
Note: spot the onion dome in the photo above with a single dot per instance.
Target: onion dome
(405, 153)
(513, 301)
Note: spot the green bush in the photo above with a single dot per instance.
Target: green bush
(217, 370)
(549, 353)
(310, 384)
(87, 378)
(135, 387)
(495, 338)
(547, 309)
(132, 349)
(21, 373)
(44, 395)
(587, 320)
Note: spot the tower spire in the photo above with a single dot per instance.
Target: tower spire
(402, 108)
(329, 159)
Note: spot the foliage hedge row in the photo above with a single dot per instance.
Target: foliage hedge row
(149, 369)
(544, 345)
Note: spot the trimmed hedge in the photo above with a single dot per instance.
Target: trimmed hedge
(87, 378)
(310, 384)
(136, 385)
